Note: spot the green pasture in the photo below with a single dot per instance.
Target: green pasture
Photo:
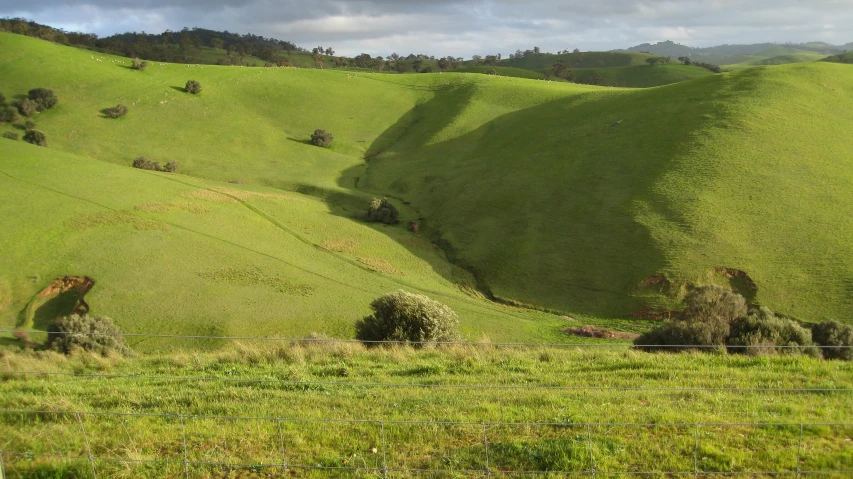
(523, 410)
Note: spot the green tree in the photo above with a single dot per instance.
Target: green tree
(86, 333)
(411, 318)
(35, 137)
(835, 338)
(193, 87)
(322, 138)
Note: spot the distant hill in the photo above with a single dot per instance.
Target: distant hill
(842, 58)
(539, 61)
(735, 54)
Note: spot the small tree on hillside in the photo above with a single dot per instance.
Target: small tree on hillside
(116, 111)
(44, 98)
(382, 211)
(836, 339)
(8, 114)
(193, 87)
(705, 321)
(322, 138)
(27, 107)
(86, 333)
(35, 137)
(410, 318)
(138, 64)
(762, 331)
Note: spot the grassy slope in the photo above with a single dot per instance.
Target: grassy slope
(248, 267)
(642, 76)
(716, 172)
(503, 71)
(566, 447)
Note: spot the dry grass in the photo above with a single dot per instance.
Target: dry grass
(381, 266)
(208, 195)
(171, 206)
(341, 245)
(112, 218)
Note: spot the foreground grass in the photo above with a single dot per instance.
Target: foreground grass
(536, 404)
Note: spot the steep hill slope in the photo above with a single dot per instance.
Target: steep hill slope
(579, 202)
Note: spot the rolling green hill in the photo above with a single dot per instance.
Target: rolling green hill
(558, 195)
(575, 200)
(503, 71)
(639, 76)
(841, 58)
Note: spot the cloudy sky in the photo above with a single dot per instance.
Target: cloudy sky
(463, 27)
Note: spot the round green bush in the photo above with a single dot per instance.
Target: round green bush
(763, 332)
(35, 137)
(322, 138)
(409, 318)
(30, 124)
(86, 333)
(8, 114)
(44, 98)
(27, 107)
(116, 111)
(382, 211)
(193, 87)
(706, 321)
(837, 339)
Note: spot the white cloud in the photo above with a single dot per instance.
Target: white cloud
(464, 27)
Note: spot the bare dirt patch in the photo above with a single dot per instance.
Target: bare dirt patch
(381, 266)
(589, 331)
(658, 281)
(341, 245)
(112, 218)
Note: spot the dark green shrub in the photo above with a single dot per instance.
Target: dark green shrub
(382, 211)
(30, 124)
(115, 112)
(322, 138)
(764, 332)
(410, 318)
(27, 107)
(8, 114)
(44, 98)
(171, 167)
(144, 163)
(491, 71)
(87, 333)
(11, 135)
(35, 137)
(193, 87)
(427, 69)
(138, 64)
(836, 339)
(705, 321)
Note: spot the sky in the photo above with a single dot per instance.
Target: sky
(462, 27)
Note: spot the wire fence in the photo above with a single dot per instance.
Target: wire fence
(319, 341)
(107, 444)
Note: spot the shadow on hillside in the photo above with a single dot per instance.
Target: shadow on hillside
(179, 88)
(544, 201)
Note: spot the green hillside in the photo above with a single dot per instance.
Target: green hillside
(840, 58)
(801, 57)
(503, 71)
(541, 61)
(559, 195)
(554, 203)
(639, 76)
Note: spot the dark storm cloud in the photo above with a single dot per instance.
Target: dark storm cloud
(464, 27)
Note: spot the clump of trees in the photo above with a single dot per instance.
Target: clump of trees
(35, 137)
(193, 87)
(717, 319)
(138, 64)
(655, 60)
(144, 163)
(44, 98)
(410, 318)
(705, 65)
(836, 339)
(116, 111)
(322, 138)
(96, 334)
